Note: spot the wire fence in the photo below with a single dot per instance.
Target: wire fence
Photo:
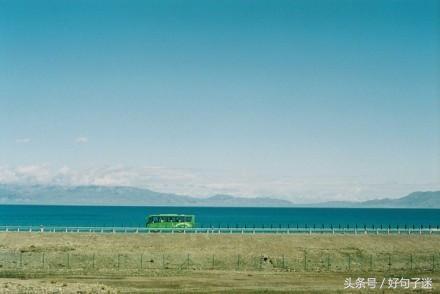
(308, 260)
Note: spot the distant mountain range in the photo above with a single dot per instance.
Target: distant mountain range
(104, 195)
(414, 200)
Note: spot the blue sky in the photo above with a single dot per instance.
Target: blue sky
(303, 100)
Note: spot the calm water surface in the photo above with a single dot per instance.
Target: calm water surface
(216, 216)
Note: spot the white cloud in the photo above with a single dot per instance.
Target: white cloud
(22, 140)
(82, 140)
(203, 183)
(26, 174)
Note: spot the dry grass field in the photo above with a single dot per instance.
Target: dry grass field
(129, 263)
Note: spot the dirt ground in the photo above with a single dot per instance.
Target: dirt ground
(208, 243)
(203, 282)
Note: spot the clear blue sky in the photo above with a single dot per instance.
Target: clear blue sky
(244, 91)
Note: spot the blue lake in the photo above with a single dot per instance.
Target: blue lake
(130, 216)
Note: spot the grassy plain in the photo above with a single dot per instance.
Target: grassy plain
(128, 263)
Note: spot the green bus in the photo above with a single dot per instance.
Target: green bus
(182, 221)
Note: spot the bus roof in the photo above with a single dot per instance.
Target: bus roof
(171, 214)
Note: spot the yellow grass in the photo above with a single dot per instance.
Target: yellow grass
(210, 262)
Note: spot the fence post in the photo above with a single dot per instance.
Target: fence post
(238, 261)
(21, 259)
(371, 262)
(163, 260)
(411, 261)
(68, 260)
(284, 264)
(118, 261)
(349, 262)
(433, 262)
(93, 261)
(141, 260)
(261, 261)
(42, 260)
(328, 262)
(305, 260)
(213, 261)
(389, 262)
(187, 261)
